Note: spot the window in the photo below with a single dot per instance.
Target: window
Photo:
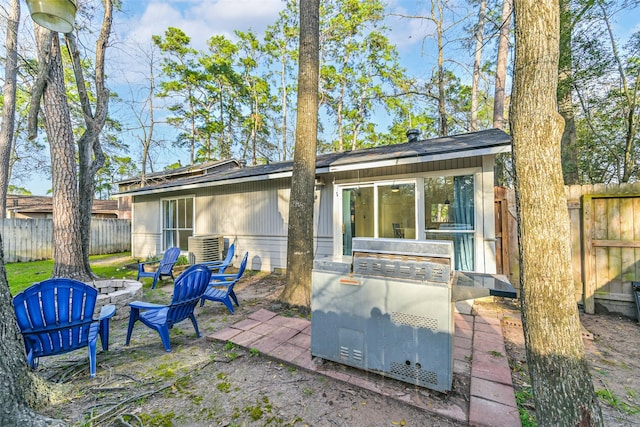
(450, 215)
(378, 210)
(177, 222)
(397, 211)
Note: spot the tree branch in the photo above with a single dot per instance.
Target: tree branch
(44, 59)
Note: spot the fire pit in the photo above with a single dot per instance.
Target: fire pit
(119, 292)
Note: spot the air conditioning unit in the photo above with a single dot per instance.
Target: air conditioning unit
(205, 248)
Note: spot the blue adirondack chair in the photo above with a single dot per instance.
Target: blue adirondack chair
(221, 266)
(55, 316)
(188, 288)
(165, 267)
(221, 287)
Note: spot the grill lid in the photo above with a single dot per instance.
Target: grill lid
(424, 260)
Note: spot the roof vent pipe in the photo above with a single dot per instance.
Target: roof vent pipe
(242, 162)
(413, 135)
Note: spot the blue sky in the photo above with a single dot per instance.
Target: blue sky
(138, 20)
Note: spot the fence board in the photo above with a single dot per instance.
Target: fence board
(32, 239)
(605, 244)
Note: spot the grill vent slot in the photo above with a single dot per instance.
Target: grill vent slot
(414, 321)
(414, 374)
(400, 266)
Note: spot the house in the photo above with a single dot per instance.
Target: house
(439, 188)
(41, 207)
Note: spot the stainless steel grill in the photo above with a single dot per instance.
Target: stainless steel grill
(389, 308)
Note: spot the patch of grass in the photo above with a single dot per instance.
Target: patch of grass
(524, 398)
(224, 386)
(158, 419)
(496, 353)
(165, 370)
(21, 275)
(614, 401)
(254, 352)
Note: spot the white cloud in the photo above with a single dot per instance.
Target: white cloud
(201, 19)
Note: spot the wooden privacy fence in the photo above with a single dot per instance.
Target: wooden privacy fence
(605, 243)
(32, 239)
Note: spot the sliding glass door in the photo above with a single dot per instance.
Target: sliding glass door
(450, 215)
(378, 210)
(357, 215)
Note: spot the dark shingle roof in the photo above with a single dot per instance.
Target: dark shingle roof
(464, 145)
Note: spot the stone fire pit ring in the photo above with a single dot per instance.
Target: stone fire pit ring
(119, 292)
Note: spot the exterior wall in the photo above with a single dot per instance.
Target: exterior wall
(480, 167)
(255, 214)
(146, 237)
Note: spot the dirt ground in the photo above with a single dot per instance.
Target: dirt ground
(612, 343)
(209, 383)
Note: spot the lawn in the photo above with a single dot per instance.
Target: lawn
(21, 275)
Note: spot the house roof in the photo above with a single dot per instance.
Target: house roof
(44, 204)
(182, 172)
(472, 144)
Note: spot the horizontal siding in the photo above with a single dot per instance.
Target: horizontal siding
(270, 253)
(256, 208)
(145, 245)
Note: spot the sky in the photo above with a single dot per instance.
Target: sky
(138, 20)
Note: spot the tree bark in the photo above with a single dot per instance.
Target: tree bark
(9, 102)
(297, 291)
(442, 109)
(565, 98)
(67, 245)
(630, 94)
(562, 387)
(501, 67)
(476, 66)
(20, 389)
(90, 155)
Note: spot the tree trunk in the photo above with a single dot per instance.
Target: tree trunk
(9, 102)
(67, 246)
(300, 234)
(631, 96)
(442, 109)
(20, 390)
(477, 62)
(90, 155)
(562, 387)
(283, 83)
(565, 98)
(501, 67)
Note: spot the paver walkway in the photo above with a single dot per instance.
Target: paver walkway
(480, 364)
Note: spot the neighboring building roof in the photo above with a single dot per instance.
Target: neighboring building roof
(155, 178)
(44, 204)
(473, 144)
